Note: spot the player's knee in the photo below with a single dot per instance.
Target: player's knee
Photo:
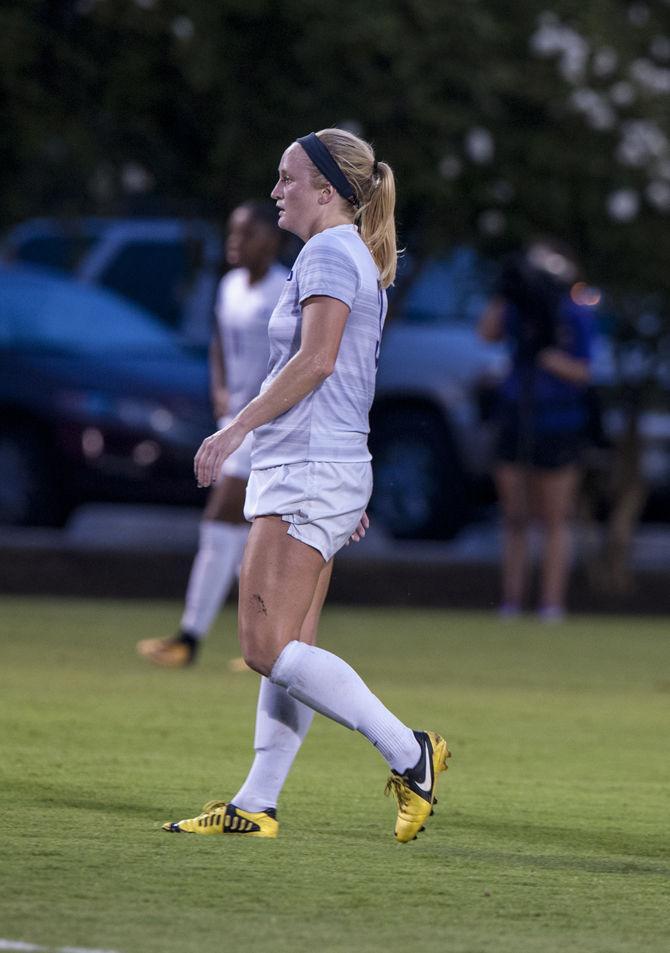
(255, 650)
(257, 660)
(516, 522)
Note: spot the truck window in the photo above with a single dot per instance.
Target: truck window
(62, 252)
(156, 275)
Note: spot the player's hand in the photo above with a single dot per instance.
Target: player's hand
(214, 450)
(359, 532)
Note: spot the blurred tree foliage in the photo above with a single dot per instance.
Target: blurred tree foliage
(501, 120)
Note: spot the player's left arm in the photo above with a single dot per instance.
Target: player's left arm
(573, 365)
(323, 323)
(574, 370)
(491, 326)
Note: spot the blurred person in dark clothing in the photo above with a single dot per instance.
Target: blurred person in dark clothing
(542, 414)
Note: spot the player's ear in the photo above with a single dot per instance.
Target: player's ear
(326, 194)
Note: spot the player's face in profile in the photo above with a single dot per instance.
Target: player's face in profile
(249, 243)
(295, 194)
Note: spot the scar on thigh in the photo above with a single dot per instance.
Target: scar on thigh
(259, 605)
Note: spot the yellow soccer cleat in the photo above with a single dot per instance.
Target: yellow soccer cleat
(167, 653)
(415, 790)
(218, 817)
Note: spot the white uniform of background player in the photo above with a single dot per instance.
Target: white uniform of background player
(239, 356)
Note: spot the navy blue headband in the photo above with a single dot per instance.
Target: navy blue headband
(328, 167)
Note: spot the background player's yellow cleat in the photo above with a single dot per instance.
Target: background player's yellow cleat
(218, 817)
(168, 653)
(414, 791)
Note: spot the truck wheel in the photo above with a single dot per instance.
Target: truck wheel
(419, 486)
(28, 494)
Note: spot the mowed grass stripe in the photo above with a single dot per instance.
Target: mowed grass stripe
(550, 833)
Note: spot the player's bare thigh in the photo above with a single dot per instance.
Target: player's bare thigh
(225, 502)
(512, 487)
(554, 494)
(282, 586)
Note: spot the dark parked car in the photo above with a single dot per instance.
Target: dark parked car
(170, 267)
(430, 450)
(97, 401)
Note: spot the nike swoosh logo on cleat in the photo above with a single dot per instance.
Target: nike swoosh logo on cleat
(426, 784)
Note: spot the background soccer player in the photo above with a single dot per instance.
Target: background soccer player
(239, 354)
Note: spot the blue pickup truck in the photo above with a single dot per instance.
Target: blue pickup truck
(431, 439)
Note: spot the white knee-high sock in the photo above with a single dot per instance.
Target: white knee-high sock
(214, 569)
(330, 686)
(281, 725)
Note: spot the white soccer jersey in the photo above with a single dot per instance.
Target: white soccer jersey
(242, 313)
(331, 423)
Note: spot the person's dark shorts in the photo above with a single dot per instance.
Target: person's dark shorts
(545, 451)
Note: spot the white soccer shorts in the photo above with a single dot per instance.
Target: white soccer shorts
(322, 502)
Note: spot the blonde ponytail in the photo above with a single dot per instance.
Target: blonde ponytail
(374, 184)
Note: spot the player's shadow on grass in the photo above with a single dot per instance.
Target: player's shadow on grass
(628, 854)
(60, 796)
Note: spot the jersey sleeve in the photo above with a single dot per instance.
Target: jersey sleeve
(325, 268)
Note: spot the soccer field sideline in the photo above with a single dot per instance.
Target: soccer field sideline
(550, 831)
(113, 550)
(19, 946)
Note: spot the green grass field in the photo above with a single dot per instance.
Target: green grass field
(551, 833)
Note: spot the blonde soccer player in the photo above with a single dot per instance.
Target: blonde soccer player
(311, 480)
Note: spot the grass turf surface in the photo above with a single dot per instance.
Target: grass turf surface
(551, 833)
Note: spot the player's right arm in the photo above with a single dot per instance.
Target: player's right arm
(323, 322)
(217, 376)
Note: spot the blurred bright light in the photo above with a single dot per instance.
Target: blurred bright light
(479, 145)
(354, 126)
(638, 14)
(146, 452)
(654, 78)
(641, 141)
(161, 419)
(135, 178)
(623, 205)
(450, 167)
(92, 442)
(660, 47)
(594, 107)
(182, 28)
(622, 93)
(605, 61)
(492, 222)
(551, 261)
(553, 38)
(648, 324)
(585, 295)
(658, 195)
